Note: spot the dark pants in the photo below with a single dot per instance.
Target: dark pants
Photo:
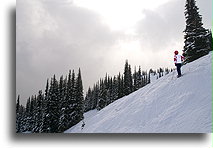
(178, 65)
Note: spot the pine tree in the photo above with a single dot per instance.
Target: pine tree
(135, 83)
(22, 112)
(88, 100)
(33, 113)
(79, 98)
(71, 100)
(139, 78)
(38, 111)
(149, 78)
(54, 105)
(120, 86)
(62, 105)
(197, 43)
(102, 96)
(95, 96)
(108, 84)
(166, 71)
(114, 89)
(130, 79)
(128, 87)
(73, 88)
(46, 110)
(27, 115)
(18, 116)
(143, 79)
(210, 39)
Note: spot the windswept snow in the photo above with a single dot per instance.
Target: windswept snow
(167, 105)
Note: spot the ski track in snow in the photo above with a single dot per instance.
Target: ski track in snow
(167, 105)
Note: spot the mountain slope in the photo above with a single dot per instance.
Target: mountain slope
(168, 105)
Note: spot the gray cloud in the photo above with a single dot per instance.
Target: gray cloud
(205, 9)
(164, 26)
(53, 37)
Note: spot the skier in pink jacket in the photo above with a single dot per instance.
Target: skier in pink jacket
(178, 59)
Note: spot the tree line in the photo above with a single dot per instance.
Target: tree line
(62, 104)
(57, 109)
(111, 88)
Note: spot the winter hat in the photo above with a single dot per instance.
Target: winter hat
(176, 52)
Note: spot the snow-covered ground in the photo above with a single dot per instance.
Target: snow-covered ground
(167, 105)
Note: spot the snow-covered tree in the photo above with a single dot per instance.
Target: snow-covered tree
(62, 106)
(79, 106)
(27, 115)
(197, 38)
(139, 78)
(120, 86)
(127, 79)
(46, 110)
(114, 89)
(102, 96)
(18, 116)
(135, 83)
(54, 105)
(88, 100)
(38, 112)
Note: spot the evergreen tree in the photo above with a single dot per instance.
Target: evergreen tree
(46, 110)
(38, 111)
(33, 113)
(18, 116)
(54, 105)
(120, 86)
(102, 96)
(127, 79)
(166, 71)
(197, 43)
(69, 101)
(27, 115)
(95, 96)
(111, 91)
(139, 78)
(209, 35)
(79, 98)
(73, 89)
(143, 78)
(108, 84)
(161, 71)
(114, 89)
(22, 112)
(130, 79)
(88, 100)
(62, 105)
(149, 78)
(135, 83)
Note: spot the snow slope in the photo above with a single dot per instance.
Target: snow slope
(168, 105)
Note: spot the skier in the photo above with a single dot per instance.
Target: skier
(82, 126)
(178, 62)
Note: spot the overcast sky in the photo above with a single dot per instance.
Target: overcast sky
(54, 36)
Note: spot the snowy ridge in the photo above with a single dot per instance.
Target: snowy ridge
(167, 105)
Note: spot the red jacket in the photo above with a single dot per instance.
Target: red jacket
(178, 59)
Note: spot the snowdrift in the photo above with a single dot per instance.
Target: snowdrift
(167, 105)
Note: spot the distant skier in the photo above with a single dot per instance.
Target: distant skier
(178, 59)
(82, 126)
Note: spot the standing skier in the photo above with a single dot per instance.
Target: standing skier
(178, 62)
